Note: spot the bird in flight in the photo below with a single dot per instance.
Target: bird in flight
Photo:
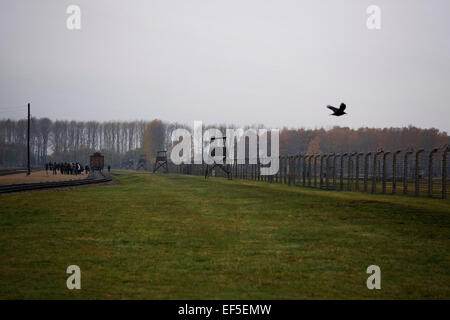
(337, 112)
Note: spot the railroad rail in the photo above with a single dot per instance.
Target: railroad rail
(97, 177)
(6, 172)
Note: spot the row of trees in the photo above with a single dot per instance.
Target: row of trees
(66, 140)
(340, 139)
(122, 141)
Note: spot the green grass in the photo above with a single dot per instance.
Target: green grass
(184, 237)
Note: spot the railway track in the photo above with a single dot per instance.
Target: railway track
(97, 177)
(15, 171)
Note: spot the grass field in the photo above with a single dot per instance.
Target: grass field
(184, 237)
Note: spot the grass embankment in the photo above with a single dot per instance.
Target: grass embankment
(183, 237)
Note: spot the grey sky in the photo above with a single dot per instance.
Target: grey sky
(276, 62)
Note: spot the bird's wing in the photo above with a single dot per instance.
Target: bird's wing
(332, 108)
(342, 107)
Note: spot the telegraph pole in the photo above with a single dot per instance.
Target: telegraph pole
(28, 143)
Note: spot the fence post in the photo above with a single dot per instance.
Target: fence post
(278, 173)
(430, 172)
(253, 173)
(327, 170)
(245, 170)
(394, 171)
(350, 171)
(304, 169)
(384, 172)
(315, 170)
(416, 175)
(321, 171)
(374, 171)
(341, 176)
(405, 172)
(295, 168)
(357, 171)
(281, 171)
(309, 170)
(334, 170)
(289, 168)
(366, 170)
(444, 172)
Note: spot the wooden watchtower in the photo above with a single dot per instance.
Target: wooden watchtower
(223, 166)
(142, 163)
(161, 161)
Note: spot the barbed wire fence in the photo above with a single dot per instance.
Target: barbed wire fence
(404, 172)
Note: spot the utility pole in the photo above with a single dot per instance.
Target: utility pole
(28, 143)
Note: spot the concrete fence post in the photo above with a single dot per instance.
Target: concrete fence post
(315, 170)
(416, 173)
(405, 172)
(384, 172)
(374, 171)
(334, 170)
(444, 172)
(281, 171)
(309, 169)
(341, 175)
(291, 170)
(430, 172)
(246, 170)
(357, 171)
(321, 171)
(304, 168)
(255, 175)
(394, 171)
(350, 171)
(327, 170)
(285, 170)
(366, 170)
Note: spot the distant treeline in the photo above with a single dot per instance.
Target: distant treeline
(67, 140)
(341, 140)
(122, 141)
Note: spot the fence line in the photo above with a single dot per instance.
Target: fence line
(419, 173)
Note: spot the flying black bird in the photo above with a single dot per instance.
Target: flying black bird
(338, 112)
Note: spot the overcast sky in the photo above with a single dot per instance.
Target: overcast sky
(272, 62)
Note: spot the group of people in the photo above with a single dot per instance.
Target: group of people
(74, 168)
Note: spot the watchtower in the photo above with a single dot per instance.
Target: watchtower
(161, 161)
(128, 164)
(142, 163)
(223, 166)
